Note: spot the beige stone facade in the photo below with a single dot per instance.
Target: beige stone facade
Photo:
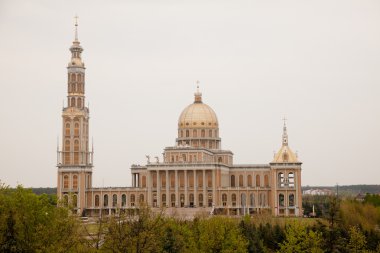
(194, 175)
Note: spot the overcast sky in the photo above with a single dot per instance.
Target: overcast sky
(315, 62)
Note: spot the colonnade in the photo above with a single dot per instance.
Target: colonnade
(195, 189)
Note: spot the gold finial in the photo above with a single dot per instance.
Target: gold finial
(198, 95)
(76, 27)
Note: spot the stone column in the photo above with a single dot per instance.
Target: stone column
(204, 189)
(186, 193)
(158, 188)
(176, 187)
(214, 187)
(167, 184)
(195, 187)
(149, 188)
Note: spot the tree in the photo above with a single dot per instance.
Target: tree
(219, 234)
(30, 223)
(298, 239)
(135, 233)
(178, 237)
(357, 242)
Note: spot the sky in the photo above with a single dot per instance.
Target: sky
(315, 62)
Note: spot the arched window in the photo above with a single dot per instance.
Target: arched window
(79, 102)
(209, 179)
(233, 199)
(187, 133)
(163, 199)
(241, 183)
(258, 181)
(224, 199)
(200, 200)
(96, 200)
(143, 181)
(72, 102)
(172, 200)
(75, 201)
(191, 200)
(291, 179)
(123, 200)
(75, 181)
(194, 133)
(114, 200)
(181, 133)
(210, 133)
(76, 152)
(232, 180)
(203, 133)
(141, 199)
(73, 79)
(264, 199)
(79, 78)
(67, 129)
(281, 200)
(133, 199)
(67, 152)
(76, 129)
(266, 181)
(66, 181)
(182, 200)
(252, 200)
(243, 200)
(210, 200)
(105, 200)
(291, 200)
(181, 178)
(249, 179)
(281, 179)
(154, 203)
(220, 159)
(184, 157)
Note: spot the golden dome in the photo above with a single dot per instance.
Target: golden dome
(285, 155)
(198, 115)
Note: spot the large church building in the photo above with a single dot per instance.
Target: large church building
(195, 175)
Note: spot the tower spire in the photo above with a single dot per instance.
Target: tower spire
(284, 134)
(76, 27)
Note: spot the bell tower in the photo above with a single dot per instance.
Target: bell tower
(74, 159)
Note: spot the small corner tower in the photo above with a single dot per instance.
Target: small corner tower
(285, 168)
(74, 160)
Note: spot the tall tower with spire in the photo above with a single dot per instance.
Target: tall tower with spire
(75, 158)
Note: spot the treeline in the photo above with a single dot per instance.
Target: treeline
(44, 190)
(34, 223)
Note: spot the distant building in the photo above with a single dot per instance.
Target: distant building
(318, 192)
(195, 175)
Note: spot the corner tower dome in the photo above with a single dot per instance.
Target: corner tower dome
(285, 154)
(198, 125)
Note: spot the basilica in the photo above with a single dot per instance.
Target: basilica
(195, 175)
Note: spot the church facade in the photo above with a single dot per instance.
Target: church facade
(195, 175)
